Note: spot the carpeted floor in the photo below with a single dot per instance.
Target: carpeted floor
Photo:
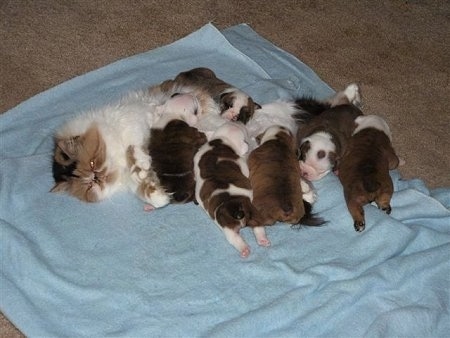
(398, 51)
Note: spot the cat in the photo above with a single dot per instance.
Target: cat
(104, 150)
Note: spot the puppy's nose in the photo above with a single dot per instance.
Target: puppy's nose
(181, 197)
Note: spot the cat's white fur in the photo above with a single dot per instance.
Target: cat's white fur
(121, 125)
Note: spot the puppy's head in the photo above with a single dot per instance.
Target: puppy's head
(182, 106)
(317, 155)
(237, 212)
(234, 135)
(237, 106)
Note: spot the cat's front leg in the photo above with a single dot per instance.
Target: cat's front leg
(145, 182)
(139, 163)
(151, 192)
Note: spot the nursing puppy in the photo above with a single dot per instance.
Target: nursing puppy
(323, 137)
(278, 113)
(173, 144)
(364, 168)
(234, 103)
(219, 101)
(276, 180)
(223, 188)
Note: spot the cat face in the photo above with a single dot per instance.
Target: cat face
(79, 166)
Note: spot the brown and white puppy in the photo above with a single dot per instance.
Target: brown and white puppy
(218, 101)
(223, 188)
(234, 103)
(173, 144)
(323, 137)
(276, 180)
(364, 168)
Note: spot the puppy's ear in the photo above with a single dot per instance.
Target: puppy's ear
(334, 160)
(247, 112)
(259, 138)
(303, 150)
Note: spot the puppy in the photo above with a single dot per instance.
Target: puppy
(278, 113)
(173, 144)
(223, 188)
(234, 103)
(364, 168)
(219, 101)
(276, 180)
(322, 138)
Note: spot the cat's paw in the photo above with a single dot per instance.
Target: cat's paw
(139, 163)
(152, 193)
(159, 199)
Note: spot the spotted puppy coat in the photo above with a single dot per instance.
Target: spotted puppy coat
(223, 187)
(322, 137)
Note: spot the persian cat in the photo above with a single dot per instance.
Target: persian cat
(102, 151)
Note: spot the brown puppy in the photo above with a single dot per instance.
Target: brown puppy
(275, 177)
(223, 188)
(279, 193)
(364, 168)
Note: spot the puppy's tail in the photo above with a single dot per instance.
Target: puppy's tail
(309, 219)
(308, 108)
(369, 180)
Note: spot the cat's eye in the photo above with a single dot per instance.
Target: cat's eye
(92, 164)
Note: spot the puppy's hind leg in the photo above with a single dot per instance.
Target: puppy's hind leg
(350, 94)
(235, 239)
(260, 235)
(357, 212)
(383, 201)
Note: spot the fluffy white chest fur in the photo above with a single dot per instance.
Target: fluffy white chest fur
(122, 124)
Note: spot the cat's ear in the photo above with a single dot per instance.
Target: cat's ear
(60, 187)
(69, 146)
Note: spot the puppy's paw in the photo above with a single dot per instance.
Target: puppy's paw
(260, 235)
(353, 94)
(387, 209)
(359, 225)
(245, 252)
(308, 193)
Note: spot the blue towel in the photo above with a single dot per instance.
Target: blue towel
(110, 269)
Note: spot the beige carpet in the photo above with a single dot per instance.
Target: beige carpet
(398, 51)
